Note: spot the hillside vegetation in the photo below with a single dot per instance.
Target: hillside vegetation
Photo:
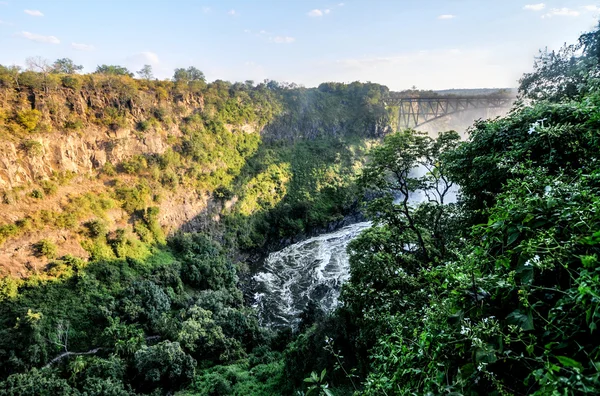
(495, 294)
(146, 158)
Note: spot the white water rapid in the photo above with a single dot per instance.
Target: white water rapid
(313, 269)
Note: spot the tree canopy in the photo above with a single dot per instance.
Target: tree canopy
(113, 70)
(66, 66)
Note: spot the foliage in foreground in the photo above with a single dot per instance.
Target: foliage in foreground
(496, 294)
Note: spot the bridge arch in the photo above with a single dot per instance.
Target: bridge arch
(416, 111)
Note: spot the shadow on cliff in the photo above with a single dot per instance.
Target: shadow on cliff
(285, 192)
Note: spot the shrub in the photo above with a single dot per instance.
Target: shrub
(37, 194)
(169, 179)
(135, 165)
(114, 118)
(7, 231)
(49, 187)
(74, 124)
(161, 93)
(133, 198)
(29, 118)
(9, 287)
(31, 80)
(165, 365)
(63, 178)
(109, 169)
(143, 126)
(45, 248)
(95, 228)
(143, 232)
(33, 148)
(160, 113)
(72, 81)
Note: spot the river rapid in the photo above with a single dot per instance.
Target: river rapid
(314, 269)
(311, 270)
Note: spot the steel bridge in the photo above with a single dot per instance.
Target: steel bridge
(416, 111)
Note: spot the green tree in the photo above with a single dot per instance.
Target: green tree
(36, 382)
(41, 65)
(9, 76)
(188, 75)
(564, 74)
(114, 70)
(146, 72)
(407, 162)
(66, 66)
(164, 365)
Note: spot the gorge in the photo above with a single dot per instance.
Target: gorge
(187, 237)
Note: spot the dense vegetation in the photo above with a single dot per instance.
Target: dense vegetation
(214, 151)
(494, 293)
(148, 313)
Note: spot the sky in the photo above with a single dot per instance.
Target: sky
(429, 44)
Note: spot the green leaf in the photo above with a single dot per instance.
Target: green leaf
(524, 321)
(323, 374)
(568, 362)
(524, 271)
(484, 356)
(513, 237)
(455, 318)
(328, 392)
(467, 370)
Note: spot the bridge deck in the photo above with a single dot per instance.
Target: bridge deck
(416, 111)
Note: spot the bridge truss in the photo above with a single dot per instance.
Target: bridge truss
(414, 112)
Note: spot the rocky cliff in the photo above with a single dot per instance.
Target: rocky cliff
(70, 141)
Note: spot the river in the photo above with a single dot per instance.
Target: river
(314, 269)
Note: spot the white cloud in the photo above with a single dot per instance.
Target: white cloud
(138, 60)
(39, 38)
(446, 16)
(326, 11)
(283, 39)
(591, 8)
(82, 47)
(149, 57)
(535, 7)
(3, 2)
(340, 4)
(315, 13)
(206, 10)
(561, 12)
(36, 13)
(231, 12)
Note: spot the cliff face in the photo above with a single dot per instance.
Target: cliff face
(82, 153)
(105, 166)
(80, 130)
(62, 147)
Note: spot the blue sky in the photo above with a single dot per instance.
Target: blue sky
(431, 44)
